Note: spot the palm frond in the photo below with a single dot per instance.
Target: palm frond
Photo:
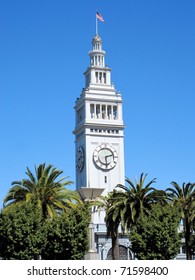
(45, 188)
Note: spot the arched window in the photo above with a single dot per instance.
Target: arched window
(124, 253)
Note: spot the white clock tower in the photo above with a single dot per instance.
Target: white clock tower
(99, 136)
(99, 141)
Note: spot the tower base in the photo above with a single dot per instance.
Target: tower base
(92, 256)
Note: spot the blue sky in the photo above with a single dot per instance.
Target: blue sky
(150, 46)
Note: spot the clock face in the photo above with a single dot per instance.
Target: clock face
(80, 159)
(105, 156)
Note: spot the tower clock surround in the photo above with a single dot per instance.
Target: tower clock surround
(105, 156)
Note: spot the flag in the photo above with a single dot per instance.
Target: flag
(100, 17)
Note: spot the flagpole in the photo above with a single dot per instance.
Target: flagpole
(98, 17)
(96, 24)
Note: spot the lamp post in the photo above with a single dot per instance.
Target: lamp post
(90, 194)
(102, 248)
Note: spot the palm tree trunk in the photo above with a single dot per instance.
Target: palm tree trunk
(115, 245)
(187, 240)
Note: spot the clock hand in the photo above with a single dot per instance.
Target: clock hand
(106, 157)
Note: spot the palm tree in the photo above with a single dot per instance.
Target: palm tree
(45, 188)
(112, 220)
(185, 197)
(126, 205)
(137, 199)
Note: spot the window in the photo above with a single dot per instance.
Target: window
(109, 111)
(103, 111)
(100, 77)
(115, 112)
(99, 60)
(96, 77)
(124, 253)
(92, 110)
(104, 77)
(97, 111)
(80, 114)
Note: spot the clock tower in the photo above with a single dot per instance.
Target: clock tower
(99, 130)
(99, 141)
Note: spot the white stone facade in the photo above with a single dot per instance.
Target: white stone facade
(99, 134)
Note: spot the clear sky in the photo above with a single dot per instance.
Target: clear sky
(150, 46)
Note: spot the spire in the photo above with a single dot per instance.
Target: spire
(97, 55)
(97, 74)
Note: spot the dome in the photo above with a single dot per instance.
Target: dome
(97, 39)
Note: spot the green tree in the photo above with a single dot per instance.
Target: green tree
(67, 235)
(22, 233)
(44, 187)
(133, 200)
(125, 205)
(155, 235)
(112, 220)
(185, 198)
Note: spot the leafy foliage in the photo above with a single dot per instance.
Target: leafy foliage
(22, 234)
(25, 235)
(67, 237)
(126, 204)
(184, 197)
(155, 235)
